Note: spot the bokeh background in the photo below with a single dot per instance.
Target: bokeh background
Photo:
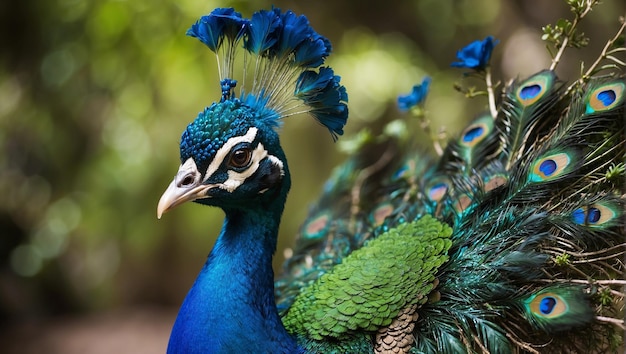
(95, 94)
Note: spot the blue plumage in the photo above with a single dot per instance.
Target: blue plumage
(213, 29)
(262, 32)
(522, 256)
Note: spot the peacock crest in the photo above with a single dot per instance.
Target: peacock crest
(282, 65)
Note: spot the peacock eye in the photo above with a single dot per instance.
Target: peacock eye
(240, 157)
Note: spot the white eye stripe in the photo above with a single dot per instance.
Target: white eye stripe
(235, 179)
(223, 152)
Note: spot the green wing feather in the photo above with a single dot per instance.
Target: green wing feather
(374, 283)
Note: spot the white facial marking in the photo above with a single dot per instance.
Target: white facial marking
(187, 169)
(235, 179)
(278, 163)
(221, 154)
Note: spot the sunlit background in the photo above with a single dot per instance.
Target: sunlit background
(95, 94)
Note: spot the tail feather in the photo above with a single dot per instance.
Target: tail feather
(535, 199)
(558, 308)
(524, 105)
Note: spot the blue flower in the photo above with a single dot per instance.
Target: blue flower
(475, 55)
(417, 95)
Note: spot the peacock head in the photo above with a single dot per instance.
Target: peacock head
(230, 154)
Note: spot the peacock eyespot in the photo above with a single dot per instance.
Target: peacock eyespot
(495, 181)
(530, 91)
(535, 88)
(548, 167)
(473, 134)
(438, 191)
(593, 215)
(240, 157)
(553, 166)
(579, 216)
(547, 305)
(607, 97)
(596, 215)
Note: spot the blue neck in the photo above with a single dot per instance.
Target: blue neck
(231, 306)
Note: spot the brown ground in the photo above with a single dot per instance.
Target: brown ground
(134, 331)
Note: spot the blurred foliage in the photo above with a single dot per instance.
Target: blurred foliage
(95, 94)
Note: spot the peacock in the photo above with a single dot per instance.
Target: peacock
(512, 240)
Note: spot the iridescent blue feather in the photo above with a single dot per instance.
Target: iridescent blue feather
(282, 41)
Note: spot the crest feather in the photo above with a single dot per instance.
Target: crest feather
(287, 76)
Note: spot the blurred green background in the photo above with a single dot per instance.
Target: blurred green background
(95, 94)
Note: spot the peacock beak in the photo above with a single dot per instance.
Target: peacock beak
(185, 187)
(175, 195)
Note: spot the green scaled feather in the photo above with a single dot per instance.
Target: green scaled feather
(373, 284)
